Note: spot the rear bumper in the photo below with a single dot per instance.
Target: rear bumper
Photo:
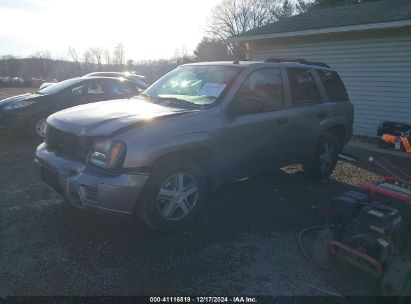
(86, 187)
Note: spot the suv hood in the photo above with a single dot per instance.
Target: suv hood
(108, 117)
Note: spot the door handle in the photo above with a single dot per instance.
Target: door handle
(322, 114)
(282, 121)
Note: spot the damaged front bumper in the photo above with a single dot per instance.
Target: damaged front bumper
(86, 187)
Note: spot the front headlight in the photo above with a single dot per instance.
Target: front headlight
(19, 104)
(107, 154)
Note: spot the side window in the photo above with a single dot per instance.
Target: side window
(333, 85)
(261, 91)
(131, 88)
(122, 89)
(304, 89)
(78, 90)
(95, 88)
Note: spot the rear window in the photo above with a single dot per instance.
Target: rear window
(304, 90)
(333, 85)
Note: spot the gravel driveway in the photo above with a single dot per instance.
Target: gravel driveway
(245, 244)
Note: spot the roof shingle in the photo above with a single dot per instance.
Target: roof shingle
(366, 13)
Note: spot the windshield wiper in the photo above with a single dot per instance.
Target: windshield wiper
(148, 97)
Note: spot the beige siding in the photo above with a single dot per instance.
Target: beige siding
(375, 68)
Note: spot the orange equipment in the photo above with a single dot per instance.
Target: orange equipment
(388, 138)
(406, 144)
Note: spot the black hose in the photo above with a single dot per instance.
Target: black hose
(308, 257)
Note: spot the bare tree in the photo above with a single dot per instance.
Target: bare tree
(119, 55)
(98, 56)
(107, 57)
(43, 64)
(233, 17)
(181, 56)
(88, 60)
(10, 66)
(130, 65)
(73, 55)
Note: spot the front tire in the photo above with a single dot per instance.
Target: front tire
(174, 196)
(325, 157)
(37, 126)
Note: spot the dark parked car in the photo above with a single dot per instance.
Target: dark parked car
(29, 111)
(199, 126)
(138, 79)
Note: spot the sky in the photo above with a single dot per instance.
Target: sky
(149, 29)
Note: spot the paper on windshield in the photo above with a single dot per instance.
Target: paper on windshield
(212, 89)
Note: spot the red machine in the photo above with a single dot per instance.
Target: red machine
(369, 234)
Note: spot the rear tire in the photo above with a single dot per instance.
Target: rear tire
(325, 158)
(174, 196)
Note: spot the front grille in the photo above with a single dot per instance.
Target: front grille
(90, 192)
(66, 144)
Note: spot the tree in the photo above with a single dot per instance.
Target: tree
(210, 49)
(181, 56)
(107, 57)
(98, 55)
(43, 64)
(233, 17)
(88, 60)
(73, 55)
(119, 55)
(10, 66)
(130, 65)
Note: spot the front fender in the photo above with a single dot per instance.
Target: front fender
(158, 149)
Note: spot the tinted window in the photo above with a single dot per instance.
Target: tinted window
(265, 87)
(78, 90)
(95, 88)
(333, 85)
(123, 89)
(58, 87)
(304, 89)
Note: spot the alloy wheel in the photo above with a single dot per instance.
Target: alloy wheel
(40, 127)
(327, 156)
(177, 196)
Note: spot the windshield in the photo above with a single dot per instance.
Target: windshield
(193, 85)
(55, 88)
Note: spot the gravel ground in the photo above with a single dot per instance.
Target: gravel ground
(245, 244)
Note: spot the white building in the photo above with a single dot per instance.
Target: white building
(368, 44)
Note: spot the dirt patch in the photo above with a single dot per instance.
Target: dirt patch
(9, 92)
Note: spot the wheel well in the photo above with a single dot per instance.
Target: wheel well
(199, 156)
(338, 131)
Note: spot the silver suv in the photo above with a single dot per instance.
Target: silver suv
(158, 154)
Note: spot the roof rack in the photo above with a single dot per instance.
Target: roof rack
(298, 60)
